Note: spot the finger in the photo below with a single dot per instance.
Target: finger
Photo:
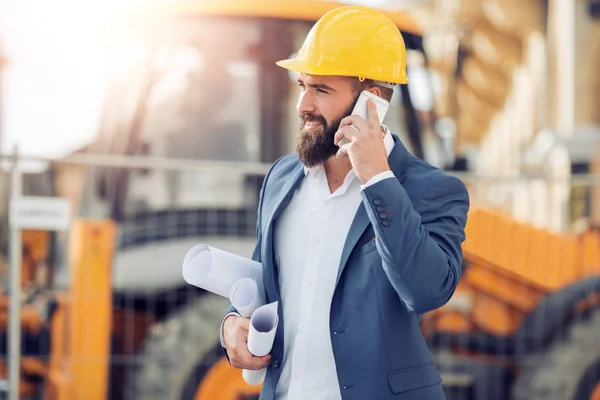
(339, 135)
(248, 361)
(241, 356)
(343, 151)
(351, 119)
(372, 116)
(347, 132)
(242, 328)
(259, 362)
(355, 120)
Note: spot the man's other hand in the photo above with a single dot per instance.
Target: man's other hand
(235, 337)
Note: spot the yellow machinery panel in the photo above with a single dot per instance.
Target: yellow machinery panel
(79, 365)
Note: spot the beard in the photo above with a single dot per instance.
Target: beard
(316, 147)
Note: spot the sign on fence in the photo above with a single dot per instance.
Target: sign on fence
(40, 212)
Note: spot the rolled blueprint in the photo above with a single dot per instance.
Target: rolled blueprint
(241, 280)
(263, 325)
(245, 297)
(217, 271)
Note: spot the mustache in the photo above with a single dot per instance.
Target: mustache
(311, 117)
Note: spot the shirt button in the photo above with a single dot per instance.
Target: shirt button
(276, 364)
(385, 222)
(377, 201)
(380, 209)
(300, 329)
(382, 215)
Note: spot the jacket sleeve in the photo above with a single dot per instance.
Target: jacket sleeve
(420, 244)
(256, 254)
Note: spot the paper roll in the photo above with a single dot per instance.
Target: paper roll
(241, 280)
(217, 271)
(254, 377)
(245, 297)
(263, 326)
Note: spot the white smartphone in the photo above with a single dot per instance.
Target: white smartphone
(360, 108)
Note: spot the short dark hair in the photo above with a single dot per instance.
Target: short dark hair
(358, 86)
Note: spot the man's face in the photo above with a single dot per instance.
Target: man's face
(324, 101)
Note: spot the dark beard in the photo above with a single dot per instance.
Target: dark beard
(314, 148)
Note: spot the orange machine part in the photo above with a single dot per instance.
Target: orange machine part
(26, 389)
(36, 246)
(31, 320)
(511, 266)
(60, 383)
(596, 393)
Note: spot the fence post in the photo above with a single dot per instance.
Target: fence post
(14, 319)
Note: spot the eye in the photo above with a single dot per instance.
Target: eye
(322, 91)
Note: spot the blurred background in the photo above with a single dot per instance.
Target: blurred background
(155, 121)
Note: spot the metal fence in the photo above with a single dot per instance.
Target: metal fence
(524, 314)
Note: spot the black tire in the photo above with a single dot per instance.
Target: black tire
(177, 352)
(567, 370)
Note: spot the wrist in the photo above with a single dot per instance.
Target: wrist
(375, 172)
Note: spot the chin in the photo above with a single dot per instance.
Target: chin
(307, 132)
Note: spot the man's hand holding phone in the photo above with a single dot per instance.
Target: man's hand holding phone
(365, 148)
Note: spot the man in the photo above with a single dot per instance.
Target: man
(356, 241)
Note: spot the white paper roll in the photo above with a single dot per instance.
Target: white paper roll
(216, 270)
(263, 326)
(254, 377)
(245, 297)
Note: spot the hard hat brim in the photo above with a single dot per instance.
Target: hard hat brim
(300, 66)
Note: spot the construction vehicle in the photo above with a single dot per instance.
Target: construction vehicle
(186, 90)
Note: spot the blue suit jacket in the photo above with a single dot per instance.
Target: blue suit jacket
(413, 266)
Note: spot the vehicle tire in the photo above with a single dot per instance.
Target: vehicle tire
(568, 369)
(178, 352)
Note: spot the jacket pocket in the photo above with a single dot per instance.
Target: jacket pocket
(367, 248)
(412, 378)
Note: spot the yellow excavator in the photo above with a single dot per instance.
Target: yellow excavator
(197, 80)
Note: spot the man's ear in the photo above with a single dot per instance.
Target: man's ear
(376, 90)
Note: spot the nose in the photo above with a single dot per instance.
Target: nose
(306, 102)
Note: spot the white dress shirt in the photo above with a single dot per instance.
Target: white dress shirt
(309, 237)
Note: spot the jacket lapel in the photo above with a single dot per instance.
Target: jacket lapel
(284, 197)
(361, 219)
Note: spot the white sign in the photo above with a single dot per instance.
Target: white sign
(40, 212)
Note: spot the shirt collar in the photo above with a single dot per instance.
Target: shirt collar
(388, 142)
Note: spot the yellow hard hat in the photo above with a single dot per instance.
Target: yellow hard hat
(353, 41)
